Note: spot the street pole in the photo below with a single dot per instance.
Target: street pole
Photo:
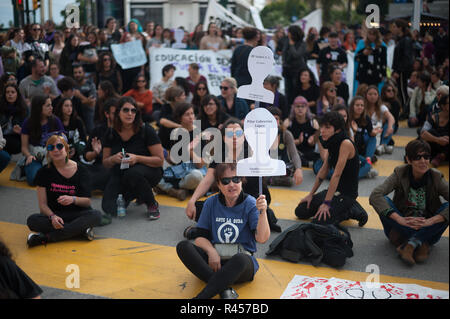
(50, 9)
(42, 8)
(416, 15)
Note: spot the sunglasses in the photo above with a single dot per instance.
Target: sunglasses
(225, 88)
(332, 90)
(201, 89)
(227, 180)
(128, 110)
(106, 59)
(418, 157)
(238, 133)
(51, 147)
(37, 29)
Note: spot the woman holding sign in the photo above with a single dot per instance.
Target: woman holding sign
(231, 223)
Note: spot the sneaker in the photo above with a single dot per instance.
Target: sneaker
(229, 293)
(372, 173)
(380, 150)
(153, 211)
(368, 160)
(389, 149)
(357, 212)
(89, 234)
(36, 240)
(374, 159)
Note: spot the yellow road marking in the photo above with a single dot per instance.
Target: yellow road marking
(117, 268)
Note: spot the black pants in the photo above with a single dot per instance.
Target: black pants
(238, 269)
(75, 222)
(135, 182)
(339, 211)
(99, 176)
(13, 144)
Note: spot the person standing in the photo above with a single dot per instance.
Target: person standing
(239, 59)
(294, 53)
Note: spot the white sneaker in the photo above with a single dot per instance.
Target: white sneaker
(389, 149)
(380, 150)
(372, 173)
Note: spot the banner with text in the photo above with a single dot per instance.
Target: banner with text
(214, 66)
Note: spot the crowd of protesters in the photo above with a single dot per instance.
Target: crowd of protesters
(70, 114)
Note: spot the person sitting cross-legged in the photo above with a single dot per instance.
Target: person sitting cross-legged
(415, 219)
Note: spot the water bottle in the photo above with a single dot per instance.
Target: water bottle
(121, 210)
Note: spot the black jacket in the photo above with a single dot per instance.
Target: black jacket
(403, 56)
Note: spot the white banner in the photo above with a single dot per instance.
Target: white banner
(214, 66)
(303, 287)
(221, 17)
(129, 54)
(314, 19)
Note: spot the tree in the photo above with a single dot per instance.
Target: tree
(282, 12)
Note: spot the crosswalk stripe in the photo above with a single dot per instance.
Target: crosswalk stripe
(118, 268)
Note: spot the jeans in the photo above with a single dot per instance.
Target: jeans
(31, 171)
(385, 140)
(431, 234)
(371, 145)
(4, 160)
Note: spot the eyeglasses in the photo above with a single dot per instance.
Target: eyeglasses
(225, 88)
(51, 147)
(418, 157)
(238, 133)
(234, 179)
(128, 110)
(106, 59)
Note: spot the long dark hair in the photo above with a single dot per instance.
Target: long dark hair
(109, 92)
(202, 115)
(59, 111)
(20, 107)
(34, 121)
(196, 100)
(137, 123)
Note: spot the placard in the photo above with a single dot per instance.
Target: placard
(129, 54)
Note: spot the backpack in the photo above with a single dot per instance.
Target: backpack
(316, 243)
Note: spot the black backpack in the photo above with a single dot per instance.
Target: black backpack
(316, 243)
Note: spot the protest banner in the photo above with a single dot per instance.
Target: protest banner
(214, 66)
(129, 54)
(303, 287)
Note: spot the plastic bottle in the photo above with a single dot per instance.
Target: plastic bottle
(121, 209)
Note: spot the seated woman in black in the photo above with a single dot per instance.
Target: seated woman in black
(211, 113)
(73, 127)
(284, 146)
(64, 193)
(303, 126)
(435, 132)
(246, 221)
(13, 112)
(308, 88)
(328, 206)
(166, 123)
(136, 144)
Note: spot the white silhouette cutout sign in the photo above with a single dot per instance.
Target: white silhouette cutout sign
(260, 64)
(260, 130)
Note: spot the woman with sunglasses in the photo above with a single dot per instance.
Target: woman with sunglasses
(328, 98)
(143, 97)
(416, 217)
(200, 90)
(234, 106)
(230, 220)
(35, 131)
(64, 193)
(137, 146)
(107, 71)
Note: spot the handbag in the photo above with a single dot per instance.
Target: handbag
(226, 251)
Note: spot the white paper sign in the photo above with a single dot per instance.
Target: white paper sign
(178, 36)
(260, 64)
(303, 287)
(261, 130)
(129, 54)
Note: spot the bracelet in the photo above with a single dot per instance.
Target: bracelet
(51, 216)
(74, 198)
(327, 202)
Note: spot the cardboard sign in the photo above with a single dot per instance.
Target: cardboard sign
(260, 65)
(260, 130)
(129, 54)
